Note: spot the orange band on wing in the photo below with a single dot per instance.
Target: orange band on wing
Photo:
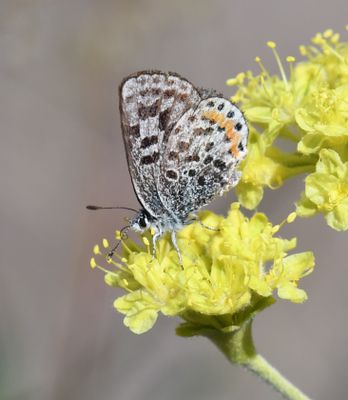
(228, 125)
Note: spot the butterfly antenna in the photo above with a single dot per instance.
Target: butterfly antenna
(123, 236)
(90, 207)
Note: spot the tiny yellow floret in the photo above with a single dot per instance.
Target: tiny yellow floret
(271, 45)
(275, 229)
(328, 33)
(231, 82)
(335, 38)
(96, 249)
(303, 50)
(291, 217)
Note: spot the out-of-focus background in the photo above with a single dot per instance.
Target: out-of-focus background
(61, 148)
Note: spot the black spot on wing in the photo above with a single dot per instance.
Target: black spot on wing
(148, 141)
(209, 146)
(172, 174)
(238, 126)
(208, 160)
(168, 93)
(194, 157)
(145, 112)
(150, 159)
(132, 131)
(221, 165)
(201, 181)
(182, 97)
(163, 119)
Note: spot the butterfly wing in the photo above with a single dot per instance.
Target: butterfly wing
(151, 103)
(201, 156)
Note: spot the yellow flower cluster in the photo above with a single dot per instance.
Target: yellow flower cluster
(308, 109)
(226, 272)
(326, 191)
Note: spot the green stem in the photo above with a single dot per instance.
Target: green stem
(269, 374)
(239, 348)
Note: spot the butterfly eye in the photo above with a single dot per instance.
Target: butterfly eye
(142, 222)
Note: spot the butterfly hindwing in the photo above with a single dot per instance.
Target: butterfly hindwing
(151, 103)
(201, 156)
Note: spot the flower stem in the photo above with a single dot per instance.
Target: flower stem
(239, 348)
(269, 374)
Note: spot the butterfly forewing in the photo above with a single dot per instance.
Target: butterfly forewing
(151, 103)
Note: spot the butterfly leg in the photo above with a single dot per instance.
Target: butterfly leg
(175, 244)
(155, 237)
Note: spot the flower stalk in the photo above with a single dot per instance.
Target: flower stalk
(239, 349)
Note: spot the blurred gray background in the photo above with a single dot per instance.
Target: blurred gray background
(61, 148)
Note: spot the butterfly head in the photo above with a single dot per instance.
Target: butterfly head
(141, 222)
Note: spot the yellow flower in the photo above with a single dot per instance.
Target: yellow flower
(228, 273)
(324, 120)
(306, 107)
(326, 191)
(265, 166)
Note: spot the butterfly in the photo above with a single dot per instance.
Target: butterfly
(183, 146)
